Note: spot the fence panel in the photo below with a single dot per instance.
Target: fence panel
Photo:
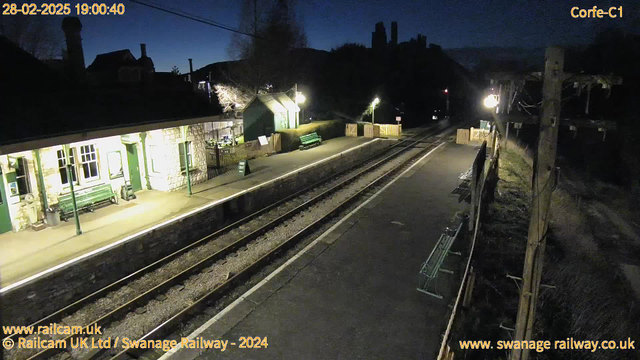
(351, 130)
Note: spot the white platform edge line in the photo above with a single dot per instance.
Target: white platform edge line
(179, 217)
(239, 300)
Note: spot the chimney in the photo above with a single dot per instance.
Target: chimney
(394, 33)
(143, 50)
(191, 70)
(72, 27)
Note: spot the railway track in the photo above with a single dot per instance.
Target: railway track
(221, 262)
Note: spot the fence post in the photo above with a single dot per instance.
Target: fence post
(217, 151)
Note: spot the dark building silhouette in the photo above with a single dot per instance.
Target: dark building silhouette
(379, 38)
(394, 33)
(72, 28)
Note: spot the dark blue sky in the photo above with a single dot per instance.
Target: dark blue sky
(171, 40)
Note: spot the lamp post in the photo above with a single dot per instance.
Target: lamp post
(375, 102)
(446, 91)
(70, 172)
(300, 99)
(491, 101)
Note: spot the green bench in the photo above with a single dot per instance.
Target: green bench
(433, 266)
(310, 140)
(86, 199)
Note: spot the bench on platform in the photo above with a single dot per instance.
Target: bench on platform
(86, 199)
(433, 266)
(310, 140)
(464, 186)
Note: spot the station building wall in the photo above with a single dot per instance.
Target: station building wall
(102, 161)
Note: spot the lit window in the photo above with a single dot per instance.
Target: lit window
(62, 166)
(114, 161)
(89, 161)
(181, 148)
(22, 176)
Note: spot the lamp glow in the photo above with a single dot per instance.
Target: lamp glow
(491, 101)
(300, 99)
(375, 102)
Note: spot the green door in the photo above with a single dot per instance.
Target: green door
(5, 219)
(134, 168)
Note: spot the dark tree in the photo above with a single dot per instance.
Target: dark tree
(267, 55)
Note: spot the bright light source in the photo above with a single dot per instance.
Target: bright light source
(491, 101)
(300, 98)
(446, 91)
(375, 102)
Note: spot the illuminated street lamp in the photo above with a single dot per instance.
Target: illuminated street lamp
(299, 99)
(491, 101)
(375, 102)
(446, 91)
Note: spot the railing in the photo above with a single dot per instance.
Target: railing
(484, 175)
(231, 155)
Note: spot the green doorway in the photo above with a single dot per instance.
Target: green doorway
(134, 167)
(5, 218)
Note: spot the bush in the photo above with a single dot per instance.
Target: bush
(327, 129)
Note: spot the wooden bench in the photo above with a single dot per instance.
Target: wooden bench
(464, 186)
(433, 266)
(86, 199)
(310, 140)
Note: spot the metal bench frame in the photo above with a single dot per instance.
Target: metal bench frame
(433, 266)
(310, 140)
(66, 206)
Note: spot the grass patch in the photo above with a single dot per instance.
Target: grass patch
(591, 300)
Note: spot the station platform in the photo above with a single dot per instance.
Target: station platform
(351, 294)
(28, 253)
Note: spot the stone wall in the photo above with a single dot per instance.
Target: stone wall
(31, 301)
(164, 150)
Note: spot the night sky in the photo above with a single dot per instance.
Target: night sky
(171, 40)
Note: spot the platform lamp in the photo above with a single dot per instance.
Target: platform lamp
(375, 102)
(184, 129)
(70, 173)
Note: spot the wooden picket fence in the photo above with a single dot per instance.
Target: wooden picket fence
(351, 130)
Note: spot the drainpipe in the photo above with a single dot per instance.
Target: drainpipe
(185, 130)
(143, 138)
(73, 193)
(43, 190)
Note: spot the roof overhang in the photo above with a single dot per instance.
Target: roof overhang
(31, 144)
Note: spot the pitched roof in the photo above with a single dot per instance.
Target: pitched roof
(276, 102)
(113, 61)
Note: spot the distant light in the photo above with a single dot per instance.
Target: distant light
(491, 101)
(446, 91)
(300, 99)
(375, 102)
(434, 117)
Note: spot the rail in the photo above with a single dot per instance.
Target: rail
(104, 320)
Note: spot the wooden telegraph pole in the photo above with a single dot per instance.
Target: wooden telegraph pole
(543, 185)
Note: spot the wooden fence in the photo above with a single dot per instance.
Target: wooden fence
(378, 130)
(484, 180)
(351, 130)
(390, 130)
(231, 155)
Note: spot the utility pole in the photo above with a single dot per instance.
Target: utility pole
(543, 185)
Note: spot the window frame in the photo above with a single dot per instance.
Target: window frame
(23, 164)
(152, 158)
(86, 159)
(72, 158)
(189, 149)
(121, 173)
